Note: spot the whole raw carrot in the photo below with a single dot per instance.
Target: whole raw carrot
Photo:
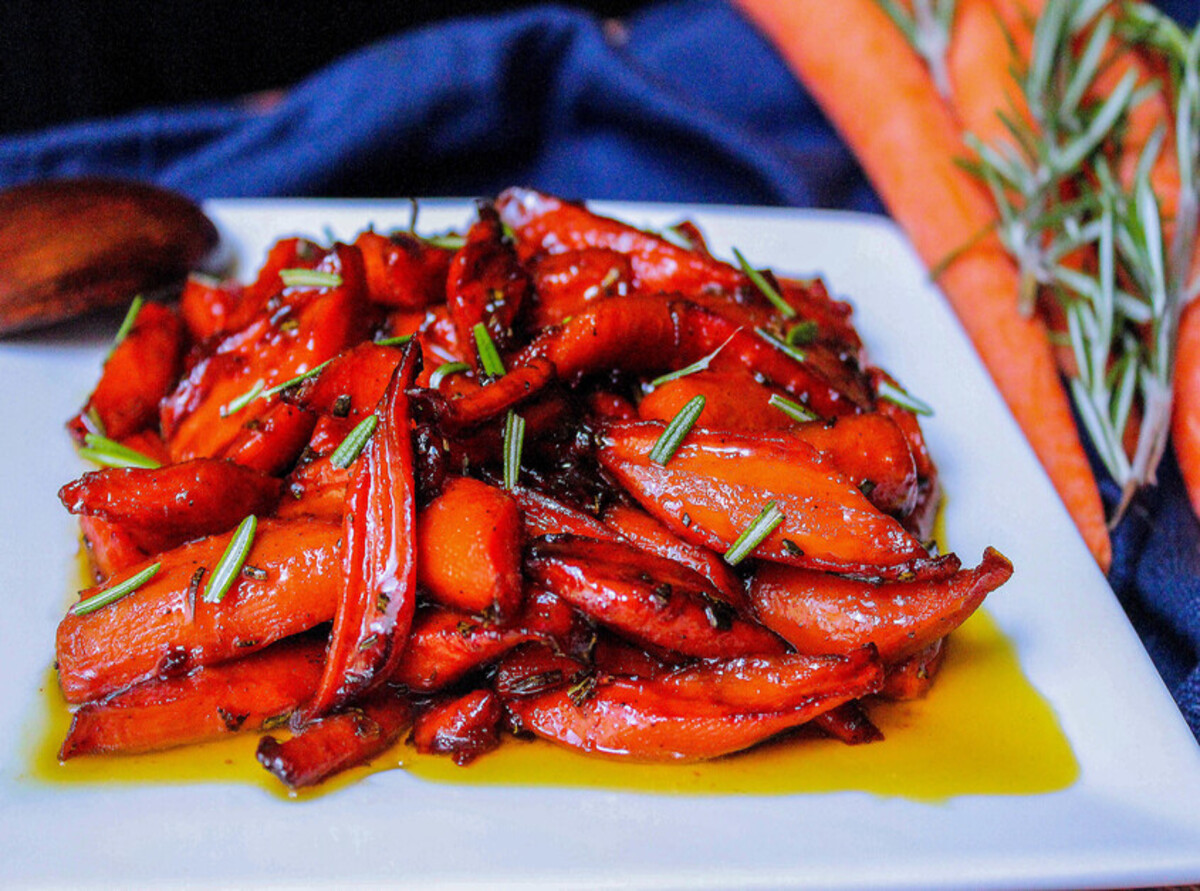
(1185, 419)
(908, 141)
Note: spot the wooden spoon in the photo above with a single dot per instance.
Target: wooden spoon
(71, 246)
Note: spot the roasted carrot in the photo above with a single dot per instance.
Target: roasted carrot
(1185, 418)
(402, 270)
(468, 549)
(823, 613)
(246, 694)
(166, 628)
(487, 285)
(378, 589)
(110, 548)
(850, 724)
(912, 677)
(463, 727)
(563, 284)
(910, 150)
(338, 742)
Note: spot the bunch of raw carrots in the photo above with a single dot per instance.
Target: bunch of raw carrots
(1044, 158)
(559, 475)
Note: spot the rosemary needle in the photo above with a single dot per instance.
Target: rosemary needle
(889, 392)
(793, 410)
(110, 453)
(356, 440)
(514, 441)
(764, 286)
(489, 356)
(116, 592)
(230, 565)
(672, 437)
(760, 527)
(309, 278)
(444, 371)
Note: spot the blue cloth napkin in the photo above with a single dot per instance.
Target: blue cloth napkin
(682, 102)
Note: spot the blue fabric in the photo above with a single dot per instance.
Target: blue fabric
(683, 102)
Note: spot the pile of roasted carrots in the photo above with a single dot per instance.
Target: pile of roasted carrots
(559, 477)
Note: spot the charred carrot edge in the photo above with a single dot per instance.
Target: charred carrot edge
(937, 203)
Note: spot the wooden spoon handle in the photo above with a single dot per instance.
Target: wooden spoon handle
(71, 246)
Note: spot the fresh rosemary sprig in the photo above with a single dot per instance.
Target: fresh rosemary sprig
(927, 27)
(698, 365)
(675, 432)
(1060, 198)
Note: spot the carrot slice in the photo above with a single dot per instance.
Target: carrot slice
(716, 484)
(645, 598)
(246, 694)
(487, 285)
(912, 677)
(165, 627)
(563, 284)
(469, 549)
(821, 613)
(378, 590)
(110, 548)
(338, 742)
(402, 270)
(911, 155)
(463, 727)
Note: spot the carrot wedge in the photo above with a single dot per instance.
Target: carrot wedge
(850, 724)
(645, 598)
(245, 694)
(166, 628)
(338, 742)
(717, 483)
(463, 727)
(821, 613)
(911, 154)
(378, 590)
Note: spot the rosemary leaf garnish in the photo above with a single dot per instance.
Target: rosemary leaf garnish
(309, 278)
(768, 291)
(698, 365)
(891, 393)
(128, 322)
(790, 351)
(793, 410)
(356, 440)
(672, 437)
(110, 453)
(233, 406)
(514, 441)
(489, 356)
(450, 241)
(445, 370)
(116, 592)
(230, 565)
(394, 341)
(760, 527)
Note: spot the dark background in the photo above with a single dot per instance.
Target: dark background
(63, 60)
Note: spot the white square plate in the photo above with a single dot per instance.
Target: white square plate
(1132, 817)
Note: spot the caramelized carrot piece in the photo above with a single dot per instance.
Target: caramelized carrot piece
(140, 372)
(378, 590)
(402, 270)
(275, 441)
(820, 613)
(716, 484)
(311, 325)
(493, 399)
(547, 224)
(329, 745)
(563, 284)
(850, 724)
(643, 530)
(645, 598)
(165, 628)
(463, 727)
(110, 548)
(351, 386)
(245, 694)
(163, 507)
(734, 399)
(206, 305)
(486, 284)
(912, 677)
(469, 549)
(534, 668)
(643, 721)
(543, 515)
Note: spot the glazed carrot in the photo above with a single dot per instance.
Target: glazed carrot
(469, 549)
(110, 548)
(563, 284)
(378, 589)
(1185, 418)
(850, 724)
(166, 628)
(162, 507)
(463, 727)
(912, 678)
(140, 372)
(822, 613)
(242, 695)
(908, 141)
(733, 400)
(645, 598)
(402, 270)
(487, 284)
(542, 515)
(338, 742)
(275, 441)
